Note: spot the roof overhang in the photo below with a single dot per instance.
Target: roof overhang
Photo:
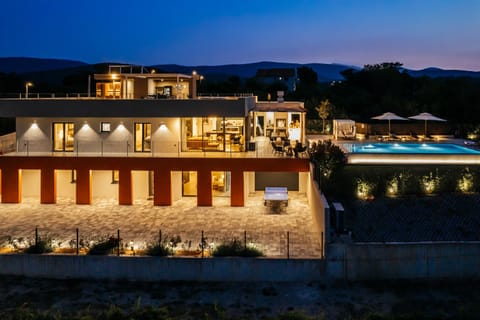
(13, 108)
(290, 106)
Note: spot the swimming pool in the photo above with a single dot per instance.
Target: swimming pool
(413, 148)
(410, 153)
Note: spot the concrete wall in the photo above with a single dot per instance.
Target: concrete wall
(161, 269)
(31, 183)
(396, 261)
(102, 186)
(65, 187)
(319, 209)
(140, 185)
(35, 134)
(177, 184)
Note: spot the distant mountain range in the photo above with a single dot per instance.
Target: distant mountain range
(325, 72)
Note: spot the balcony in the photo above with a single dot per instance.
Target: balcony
(261, 148)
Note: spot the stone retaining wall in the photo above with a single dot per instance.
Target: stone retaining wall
(161, 269)
(397, 261)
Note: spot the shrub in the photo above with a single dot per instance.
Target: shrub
(104, 247)
(42, 246)
(163, 247)
(235, 248)
(159, 250)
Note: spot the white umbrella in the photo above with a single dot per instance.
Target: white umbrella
(389, 116)
(426, 117)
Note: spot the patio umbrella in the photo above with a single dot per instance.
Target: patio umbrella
(389, 116)
(426, 117)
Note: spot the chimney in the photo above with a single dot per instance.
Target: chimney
(279, 96)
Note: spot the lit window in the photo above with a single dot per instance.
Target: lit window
(143, 132)
(105, 127)
(63, 136)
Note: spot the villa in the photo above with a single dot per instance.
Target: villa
(147, 135)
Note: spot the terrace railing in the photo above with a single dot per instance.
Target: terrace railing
(161, 149)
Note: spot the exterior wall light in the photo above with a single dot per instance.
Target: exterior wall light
(163, 126)
(34, 125)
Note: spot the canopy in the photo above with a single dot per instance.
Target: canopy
(389, 116)
(426, 117)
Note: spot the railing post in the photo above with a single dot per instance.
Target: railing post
(203, 245)
(118, 242)
(288, 245)
(321, 244)
(245, 240)
(76, 232)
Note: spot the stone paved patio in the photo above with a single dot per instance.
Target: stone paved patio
(140, 223)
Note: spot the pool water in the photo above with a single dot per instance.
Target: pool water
(410, 148)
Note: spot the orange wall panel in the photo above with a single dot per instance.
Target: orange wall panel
(125, 187)
(237, 198)
(162, 187)
(204, 188)
(48, 186)
(11, 185)
(84, 186)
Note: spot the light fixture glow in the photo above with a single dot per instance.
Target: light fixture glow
(34, 125)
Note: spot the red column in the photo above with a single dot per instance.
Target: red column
(204, 188)
(237, 194)
(162, 187)
(125, 187)
(11, 185)
(84, 186)
(48, 186)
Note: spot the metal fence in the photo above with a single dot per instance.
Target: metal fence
(195, 244)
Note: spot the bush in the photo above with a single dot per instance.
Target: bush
(104, 247)
(235, 248)
(159, 250)
(42, 246)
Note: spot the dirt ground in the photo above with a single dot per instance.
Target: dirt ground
(246, 300)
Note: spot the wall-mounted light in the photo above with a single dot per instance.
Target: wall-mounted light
(85, 125)
(34, 125)
(121, 126)
(163, 126)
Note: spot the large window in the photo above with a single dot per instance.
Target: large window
(63, 136)
(213, 134)
(143, 137)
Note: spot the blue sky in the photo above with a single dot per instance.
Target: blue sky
(420, 33)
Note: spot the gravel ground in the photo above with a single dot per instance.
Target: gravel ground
(244, 300)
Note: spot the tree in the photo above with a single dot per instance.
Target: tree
(324, 109)
(328, 159)
(307, 76)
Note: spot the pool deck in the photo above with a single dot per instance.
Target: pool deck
(409, 158)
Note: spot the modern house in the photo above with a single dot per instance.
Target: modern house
(148, 136)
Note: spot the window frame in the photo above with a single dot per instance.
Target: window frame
(64, 139)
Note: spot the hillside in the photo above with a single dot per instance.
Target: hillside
(24, 65)
(48, 69)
